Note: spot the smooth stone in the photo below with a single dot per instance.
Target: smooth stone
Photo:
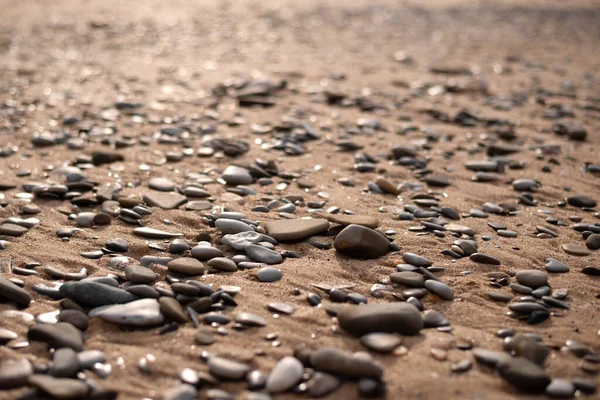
(232, 226)
(416, 260)
(527, 347)
(440, 288)
(94, 294)
(560, 388)
(527, 307)
(117, 245)
(172, 309)
(74, 317)
(524, 374)
(239, 241)
(204, 338)
(57, 335)
(484, 259)
(295, 229)
(363, 220)
(408, 278)
(64, 363)
(7, 335)
(178, 246)
(205, 252)
(341, 363)
(490, 358)
(592, 271)
(15, 373)
(575, 250)
(269, 274)
(281, 308)
(12, 230)
(161, 184)
(381, 342)
(321, 384)
(186, 265)
(164, 200)
(593, 241)
(501, 297)
(223, 368)
(149, 261)
(262, 254)
(139, 274)
(88, 358)
(392, 317)
(250, 319)
(462, 229)
(182, 391)
(581, 201)
(152, 233)
(10, 291)
(59, 388)
(556, 266)
(144, 312)
(434, 319)
(362, 242)
(286, 373)
(222, 264)
(532, 278)
(235, 175)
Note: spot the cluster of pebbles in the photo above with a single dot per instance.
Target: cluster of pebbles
(249, 219)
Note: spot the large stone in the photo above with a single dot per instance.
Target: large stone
(343, 219)
(362, 242)
(403, 318)
(94, 294)
(289, 230)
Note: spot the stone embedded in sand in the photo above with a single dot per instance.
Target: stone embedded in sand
(581, 201)
(12, 229)
(222, 368)
(15, 373)
(269, 274)
(94, 294)
(575, 249)
(408, 278)
(381, 342)
(186, 265)
(57, 335)
(341, 363)
(152, 233)
(402, 318)
(523, 374)
(289, 230)
(145, 312)
(532, 278)
(164, 200)
(12, 292)
(364, 220)
(284, 375)
(359, 241)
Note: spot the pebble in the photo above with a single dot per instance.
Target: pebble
(269, 274)
(64, 363)
(416, 260)
(581, 201)
(575, 249)
(524, 374)
(560, 388)
(59, 388)
(341, 363)
(532, 278)
(484, 259)
(204, 251)
(439, 288)
(139, 313)
(234, 175)
(94, 294)
(172, 309)
(139, 274)
(182, 391)
(204, 338)
(186, 265)
(57, 335)
(75, 317)
(7, 335)
(161, 184)
(152, 233)
(15, 373)
(408, 278)
(593, 241)
(13, 292)
(391, 317)
(362, 242)
(321, 384)
(164, 200)
(232, 226)
(295, 229)
(223, 368)
(222, 264)
(285, 375)
(381, 342)
(12, 229)
(556, 266)
(262, 254)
